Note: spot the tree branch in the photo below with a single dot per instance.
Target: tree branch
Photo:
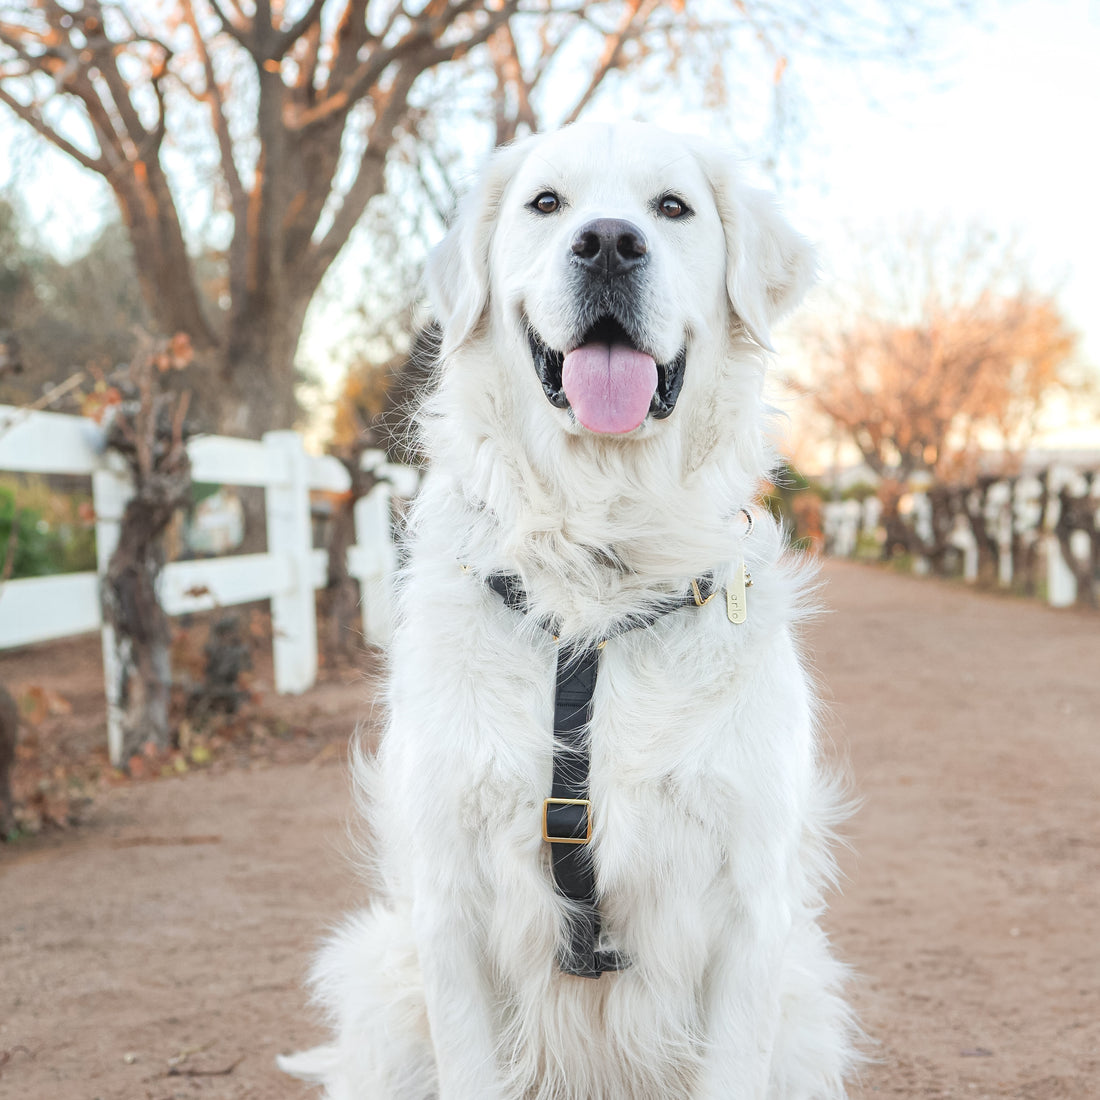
(369, 181)
(306, 84)
(417, 48)
(349, 39)
(120, 96)
(32, 118)
(457, 50)
(630, 25)
(235, 25)
(285, 39)
(237, 197)
(509, 70)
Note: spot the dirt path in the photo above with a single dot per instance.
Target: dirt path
(972, 909)
(157, 954)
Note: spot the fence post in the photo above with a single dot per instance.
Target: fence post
(962, 538)
(1061, 583)
(851, 511)
(830, 525)
(1005, 518)
(374, 534)
(922, 524)
(111, 490)
(872, 513)
(290, 536)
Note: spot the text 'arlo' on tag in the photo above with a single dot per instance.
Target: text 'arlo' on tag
(736, 602)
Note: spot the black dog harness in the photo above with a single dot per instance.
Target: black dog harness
(567, 813)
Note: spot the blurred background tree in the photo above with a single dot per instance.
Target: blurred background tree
(64, 315)
(285, 121)
(941, 349)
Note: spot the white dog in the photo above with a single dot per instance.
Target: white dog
(596, 440)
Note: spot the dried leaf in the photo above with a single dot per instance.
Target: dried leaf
(95, 404)
(38, 703)
(180, 350)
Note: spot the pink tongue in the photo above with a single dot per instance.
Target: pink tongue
(609, 386)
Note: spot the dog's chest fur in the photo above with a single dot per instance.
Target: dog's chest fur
(677, 839)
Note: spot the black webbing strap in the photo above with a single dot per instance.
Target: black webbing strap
(567, 813)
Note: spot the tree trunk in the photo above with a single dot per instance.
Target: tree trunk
(1078, 514)
(342, 591)
(164, 268)
(256, 368)
(976, 503)
(143, 636)
(1025, 546)
(899, 535)
(946, 503)
(9, 731)
(148, 429)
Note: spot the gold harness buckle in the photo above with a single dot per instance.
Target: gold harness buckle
(699, 599)
(586, 803)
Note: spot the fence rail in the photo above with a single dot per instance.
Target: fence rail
(39, 609)
(1045, 525)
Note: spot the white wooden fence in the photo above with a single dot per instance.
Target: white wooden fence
(1012, 511)
(39, 609)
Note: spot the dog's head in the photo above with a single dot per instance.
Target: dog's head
(614, 269)
(605, 295)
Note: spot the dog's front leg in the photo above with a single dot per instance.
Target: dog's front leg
(457, 1000)
(743, 1007)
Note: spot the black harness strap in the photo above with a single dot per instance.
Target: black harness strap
(567, 813)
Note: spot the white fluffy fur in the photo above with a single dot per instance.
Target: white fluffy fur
(712, 812)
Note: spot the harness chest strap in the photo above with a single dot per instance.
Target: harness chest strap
(567, 813)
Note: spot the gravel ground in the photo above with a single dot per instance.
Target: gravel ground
(157, 951)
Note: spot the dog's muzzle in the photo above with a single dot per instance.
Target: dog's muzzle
(607, 329)
(606, 375)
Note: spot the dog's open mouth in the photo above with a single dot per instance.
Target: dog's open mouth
(610, 383)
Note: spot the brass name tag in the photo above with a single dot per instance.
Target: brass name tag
(736, 604)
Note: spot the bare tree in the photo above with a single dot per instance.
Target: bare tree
(304, 101)
(62, 316)
(944, 348)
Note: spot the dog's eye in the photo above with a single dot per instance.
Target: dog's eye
(546, 203)
(672, 207)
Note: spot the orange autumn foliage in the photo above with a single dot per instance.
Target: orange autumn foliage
(924, 387)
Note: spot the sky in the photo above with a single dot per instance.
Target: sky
(1002, 129)
(1004, 132)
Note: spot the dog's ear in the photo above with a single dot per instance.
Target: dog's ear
(458, 269)
(769, 267)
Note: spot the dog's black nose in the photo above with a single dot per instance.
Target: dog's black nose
(610, 246)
